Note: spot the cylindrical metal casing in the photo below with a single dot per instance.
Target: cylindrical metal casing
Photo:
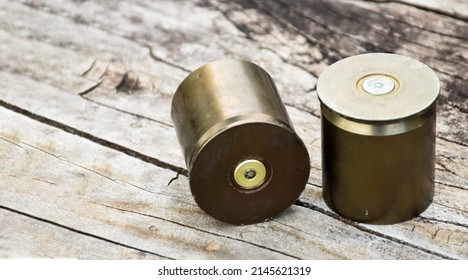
(378, 137)
(246, 164)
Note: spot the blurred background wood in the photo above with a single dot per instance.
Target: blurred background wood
(90, 166)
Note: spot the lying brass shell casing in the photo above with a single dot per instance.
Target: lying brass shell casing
(246, 164)
(378, 137)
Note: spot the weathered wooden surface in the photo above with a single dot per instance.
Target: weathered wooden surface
(90, 166)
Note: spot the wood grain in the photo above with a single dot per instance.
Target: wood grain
(88, 148)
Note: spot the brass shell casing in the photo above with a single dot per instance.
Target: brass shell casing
(246, 164)
(378, 137)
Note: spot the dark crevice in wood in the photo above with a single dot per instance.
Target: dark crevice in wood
(302, 109)
(421, 7)
(44, 181)
(446, 169)
(283, 59)
(153, 55)
(127, 83)
(448, 184)
(82, 232)
(457, 106)
(85, 72)
(13, 143)
(450, 207)
(72, 163)
(172, 180)
(127, 112)
(90, 89)
(93, 138)
(367, 230)
(452, 141)
(443, 221)
(314, 185)
(200, 230)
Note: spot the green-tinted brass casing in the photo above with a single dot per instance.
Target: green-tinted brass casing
(378, 137)
(230, 122)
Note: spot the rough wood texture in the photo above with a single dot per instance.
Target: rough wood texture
(90, 166)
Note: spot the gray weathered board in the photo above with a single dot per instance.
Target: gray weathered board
(90, 166)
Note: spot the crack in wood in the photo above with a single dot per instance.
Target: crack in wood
(125, 112)
(460, 109)
(463, 212)
(11, 142)
(86, 71)
(82, 232)
(95, 139)
(200, 230)
(90, 89)
(442, 221)
(305, 110)
(450, 185)
(128, 83)
(96, 172)
(446, 169)
(154, 56)
(421, 7)
(44, 181)
(70, 162)
(367, 230)
(452, 141)
(172, 180)
(314, 185)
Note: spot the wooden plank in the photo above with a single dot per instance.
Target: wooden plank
(109, 194)
(294, 90)
(158, 110)
(107, 94)
(46, 174)
(113, 85)
(316, 201)
(22, 236)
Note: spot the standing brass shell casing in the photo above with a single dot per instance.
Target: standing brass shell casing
(246, 164)
(378, 137)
